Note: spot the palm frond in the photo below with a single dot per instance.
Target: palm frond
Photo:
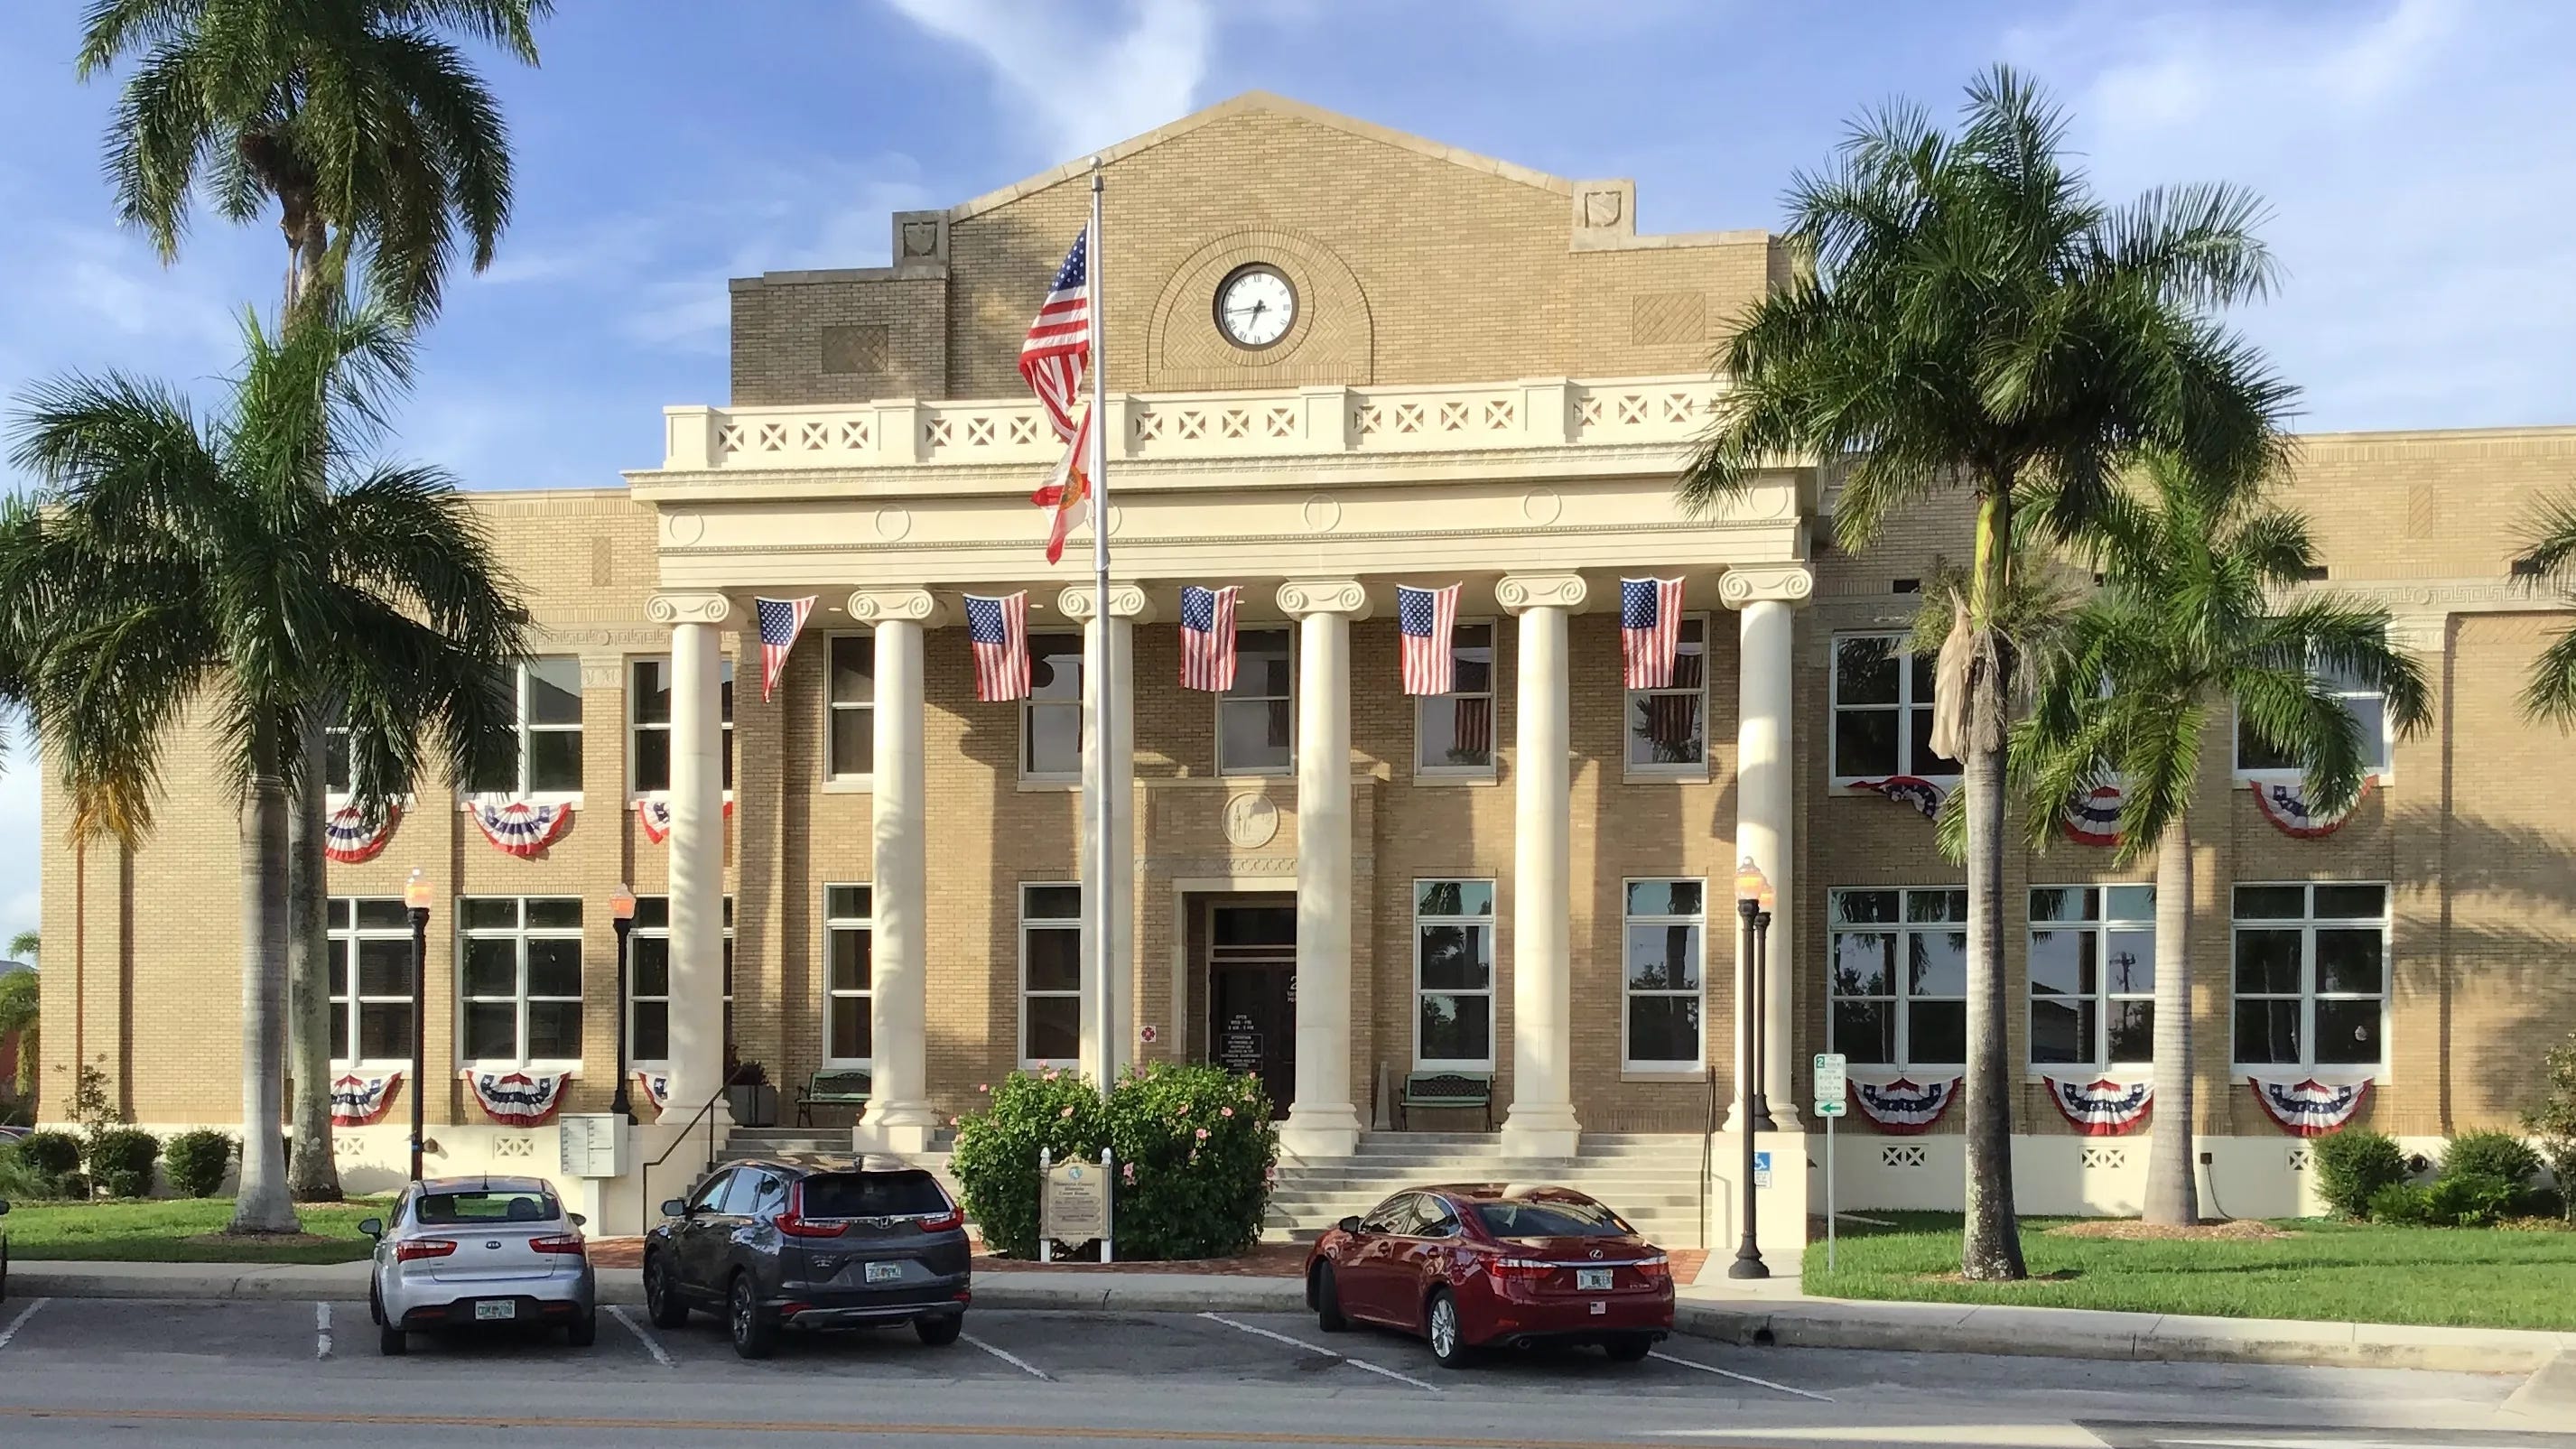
(2551, 692)
(2548, 536)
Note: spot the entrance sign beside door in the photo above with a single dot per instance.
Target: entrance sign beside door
(1238, 1047)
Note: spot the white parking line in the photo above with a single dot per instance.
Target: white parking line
(1014, 1360)
(19, 1322)
(1745, 1378)
(1357, 1363)
(651, 1344)
(321, 1330)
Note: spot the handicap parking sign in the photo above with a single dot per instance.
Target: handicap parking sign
(1761, 1169)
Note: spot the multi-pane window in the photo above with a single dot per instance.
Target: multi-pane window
(1666, 948)
(648, 715)
(521, 979)
(1453, 973)
(1252, 718)
(648, 969)
(849, 919)
(1883, 710)
(850, 707)
(370, 980)
(1668, 728)
(1050, 975)
(544, 756)
(336, 770)
(2367, 705)
(1899, 964)
(1051, 717)
(1454, 732)
(2093, 975)
(2311, 975)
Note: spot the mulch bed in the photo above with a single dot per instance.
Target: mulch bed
(265, 1240)
(2244, 1230)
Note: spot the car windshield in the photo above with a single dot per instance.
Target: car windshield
(873, 1195)
(488, 1205)
(1556, 1218)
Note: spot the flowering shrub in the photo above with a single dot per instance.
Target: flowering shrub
(996, 1157)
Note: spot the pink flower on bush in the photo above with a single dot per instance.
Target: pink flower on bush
(1185, 1109)
(1067, 1112)
(1129, 1172)
(1225, 1111)
(984, 1087)
(1203, 1134)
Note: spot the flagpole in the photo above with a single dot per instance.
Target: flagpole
(1104, 715)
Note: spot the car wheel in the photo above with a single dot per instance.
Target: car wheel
(662, 1302)
(755, 1333)
(392, 1342)
(940, 1331)
(582, 1332)
(375, 1304)
(1448, 1338)
(1629, 1347)
(1328, 1302)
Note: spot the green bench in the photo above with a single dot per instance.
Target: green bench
(842, 1087)
(1447, 1089)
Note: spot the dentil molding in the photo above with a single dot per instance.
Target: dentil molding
(877, 606)
(1742, 585)
(688, 608)
(1517, 592)
(1300, 597)
(1126, 601)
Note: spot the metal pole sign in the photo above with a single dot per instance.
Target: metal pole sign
(1832, 1091)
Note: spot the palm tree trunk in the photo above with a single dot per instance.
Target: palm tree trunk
(313, 1173)
(1990, 1245)
(2173, 1189)
(263, 1206)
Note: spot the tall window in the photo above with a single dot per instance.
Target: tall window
(1666, 949)
(2093, 975)
(1899, 960)
(648, 717)
(1453, 733)
(1883, 710)
(1050, 975)
(1668, 728)
(370, 980)
(1051, 717)
(521, 980)
(336, 770)
(648, 991)
(849, 919)
(1453, 974)
(850, 705)
(546, 757)
(2367, 706)
(2311, 975)
(1252, 719)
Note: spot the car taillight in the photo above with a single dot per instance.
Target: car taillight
(948, 1221)
(1529, 1268)
(423, 1248)
(559, 1243)
(795, 1224)
(1654, 1269)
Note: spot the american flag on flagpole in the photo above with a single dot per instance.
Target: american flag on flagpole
(1207, 637)
(1650, 630)
(998, 630)
(1053, 358)
(781, 620)
(1425, 619)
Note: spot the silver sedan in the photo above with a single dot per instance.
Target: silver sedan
(480, 1252)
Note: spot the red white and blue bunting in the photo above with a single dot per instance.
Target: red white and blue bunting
(518, 1099)
(358, 1101)
(2307, 1107)
(1911, 790)
(2102, 1107)
(2092, 817)
(2285, 804)
(350, 838)
(520, 828)
(656, 1087)
(655, 817)
(1904, 1106)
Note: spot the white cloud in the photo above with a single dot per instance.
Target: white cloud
(1076, 88)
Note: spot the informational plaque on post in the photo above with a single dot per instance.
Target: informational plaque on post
(1074, 1208)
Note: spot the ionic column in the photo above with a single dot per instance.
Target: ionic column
(1765, 819)
(1322, 1121)
(1108, 871)
(899, 1118)
(696, 845)
(1541, 1122)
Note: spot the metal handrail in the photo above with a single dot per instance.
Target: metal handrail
(644, 1174)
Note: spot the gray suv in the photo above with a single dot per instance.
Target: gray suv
(806, 1242)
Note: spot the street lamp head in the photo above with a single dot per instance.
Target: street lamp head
(416, 890)
(621, 903)
(1752, 885)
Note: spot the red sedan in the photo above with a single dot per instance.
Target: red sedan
(1492, 1265)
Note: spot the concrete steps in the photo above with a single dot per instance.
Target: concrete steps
(1653, 1180)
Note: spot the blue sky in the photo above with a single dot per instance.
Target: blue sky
(2416, 152)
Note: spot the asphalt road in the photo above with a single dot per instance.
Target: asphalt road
(96, 1371)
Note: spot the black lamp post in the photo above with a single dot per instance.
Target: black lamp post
(621, 911)
(416, 900)
(1753, 907)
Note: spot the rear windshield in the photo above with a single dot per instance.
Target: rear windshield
(497, 1205)
(873, 1195)
(1549, 1220)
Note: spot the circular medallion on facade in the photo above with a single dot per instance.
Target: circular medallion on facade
(1250, 821)
(893, 523)
(683, 527)
(1322, 513)
(1542, 506)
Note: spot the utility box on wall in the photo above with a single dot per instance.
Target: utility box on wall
(593, 1144)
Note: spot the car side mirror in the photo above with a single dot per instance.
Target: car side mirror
(672, 1207)
(372, 1227)
(1349, 1225)
(578, 1220)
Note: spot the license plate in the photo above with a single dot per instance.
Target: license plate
(884, 1272)
(490, 1308)
(1592, 1280)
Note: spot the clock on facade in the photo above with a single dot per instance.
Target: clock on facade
(1255, 305)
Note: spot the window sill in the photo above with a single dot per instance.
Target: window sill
(1455, 777)
(2377, 1076)
(641, 797)
(1469, 1068)
(1663, 1075)
(2038, 1072)
(1852, 784)
(550, 1064)
(468, 803)
(849, 784)
(1664, 775)
(1280, 773)
(1047, 787)
(2379, 779)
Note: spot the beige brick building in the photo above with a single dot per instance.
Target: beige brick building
(1488, 377)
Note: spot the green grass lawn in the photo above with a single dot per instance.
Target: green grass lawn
(161, 1231)
(2332, 1270)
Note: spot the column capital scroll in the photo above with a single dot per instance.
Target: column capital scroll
(1301, 597)
(688, 608)
(1518, 592)
(1787, 583)
(1126, 601)
(876, 606)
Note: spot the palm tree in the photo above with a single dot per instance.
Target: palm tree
(2195, 614)
(376, 140)
(240, 568)
(2551, 694)
(26, 945)
(1974, 317)
(20, 993)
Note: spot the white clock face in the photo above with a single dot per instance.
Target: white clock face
(1255, 306)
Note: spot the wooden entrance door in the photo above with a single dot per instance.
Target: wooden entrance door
(1252, 996)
